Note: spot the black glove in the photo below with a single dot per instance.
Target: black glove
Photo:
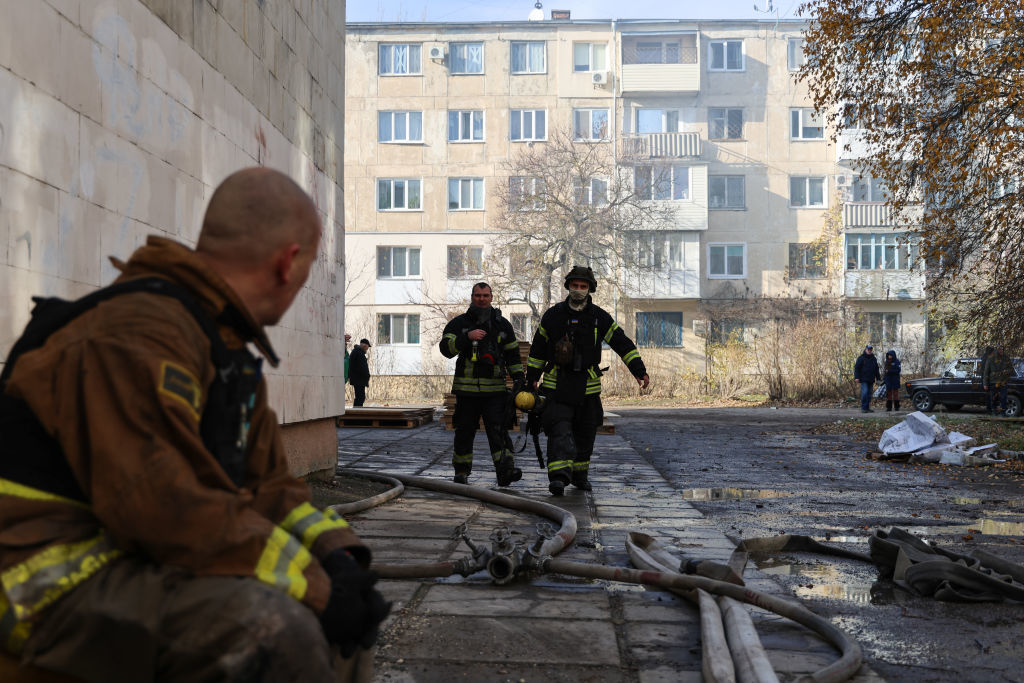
(354, 609)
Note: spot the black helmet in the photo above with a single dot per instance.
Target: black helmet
(582, 273)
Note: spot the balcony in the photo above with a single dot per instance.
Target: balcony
(660, 63)
(663, 284)
(648, 146)
(877, 215)
(884, 285)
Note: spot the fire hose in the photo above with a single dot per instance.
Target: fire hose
(505, 560)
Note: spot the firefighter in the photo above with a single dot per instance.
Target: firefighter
(486, 347)
(567, 350)
(149, 528)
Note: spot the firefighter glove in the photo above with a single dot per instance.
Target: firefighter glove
(355, 608)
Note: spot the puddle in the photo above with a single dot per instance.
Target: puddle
(820, 580)
(1015, 502)
(732, 494)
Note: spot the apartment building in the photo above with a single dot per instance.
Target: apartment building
(433, 111)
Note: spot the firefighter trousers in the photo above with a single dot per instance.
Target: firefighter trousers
(468, 411)
(571, 430)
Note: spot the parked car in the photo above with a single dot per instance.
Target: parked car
(960, 385)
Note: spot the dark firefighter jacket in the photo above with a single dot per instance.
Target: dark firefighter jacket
(122, 389)
(480, 368)
(586, 329)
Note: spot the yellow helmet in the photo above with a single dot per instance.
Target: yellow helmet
(525, 401)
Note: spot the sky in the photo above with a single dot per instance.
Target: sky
(517, 10)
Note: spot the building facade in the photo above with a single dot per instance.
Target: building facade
(710, 107)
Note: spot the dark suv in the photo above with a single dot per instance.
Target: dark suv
(960, 385)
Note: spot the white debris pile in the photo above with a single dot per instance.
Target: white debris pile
(924, 440)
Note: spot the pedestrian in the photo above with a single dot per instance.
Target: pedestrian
(359, 371)
(891, 370)
(566, 349)
(348, 340)
(149, 528)
(989, 350)
(486, 349)
(865, 372)
(995, 378)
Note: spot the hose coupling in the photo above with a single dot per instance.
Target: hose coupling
(481, 555)
(505, 556)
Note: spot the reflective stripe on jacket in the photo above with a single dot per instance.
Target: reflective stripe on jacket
(481, 369)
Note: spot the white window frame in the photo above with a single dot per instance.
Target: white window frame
(584, 194)
(530, 68)
(474, 114)
(590, 124)
(405, 328)
(474, 194)
(725, 260)
(807, 180)
(521, 115)
(392, 181)
(803, 117)
(666, 117)
(672, 171)
(408, 126)
(903, 247)
(520, 199)
(465, 248)
(871, 186)
(795, 54)
(727, 206)
(720, 116)
(591, 68)
(662, 250)
(464, 45)
(391, 60)
(724, 42)
(418, 275)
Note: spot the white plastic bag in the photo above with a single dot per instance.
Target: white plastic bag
(880, 391)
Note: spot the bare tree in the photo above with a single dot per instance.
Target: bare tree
(567, 203)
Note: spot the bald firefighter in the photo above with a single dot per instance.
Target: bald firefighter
(566, 349)
(149, 528)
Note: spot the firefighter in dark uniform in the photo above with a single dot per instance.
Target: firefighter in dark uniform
(567, 350)
(486, 346)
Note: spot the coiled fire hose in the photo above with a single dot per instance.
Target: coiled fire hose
(651, 559)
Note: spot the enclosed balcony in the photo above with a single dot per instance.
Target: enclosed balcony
(660, 62)
(648, 146)
(858, 215)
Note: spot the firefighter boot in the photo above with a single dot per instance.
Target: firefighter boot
(508, 474)
(580, 481)
(461, 478)
(557, 487)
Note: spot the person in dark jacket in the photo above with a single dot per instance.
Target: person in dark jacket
(891, 376)
(989, 350)
(486, 347)
(997, 373)
(865, 372)
(567, 350)
(359, 371)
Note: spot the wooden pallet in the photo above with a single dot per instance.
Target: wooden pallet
(386, 418)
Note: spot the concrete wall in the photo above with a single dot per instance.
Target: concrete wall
(119, 117)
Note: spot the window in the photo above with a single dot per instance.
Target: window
(676, 49)
(398, 262)
(526, 194)
(807, 192)
(662, 249)
(727, 260)
(880, 251)
(465, 194)
(398, 194)
(657, 120)
(725, 55)
(726, 192)
(662, 182)
(868, 189)
(804, 124)
(465, 126)
(589, 124)
(398, 59)
(881, 327)
(522, 325)
(466, 58)
(659, 329)
(725, 124)
(589, 56)
(592, 192)
(795, 53)
(528, 58)
(465, 262)
(399, 126)
(725, 331)
(807, 261)
(398, 328)
(527, 124)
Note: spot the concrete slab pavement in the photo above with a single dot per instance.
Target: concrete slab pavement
(551, 627)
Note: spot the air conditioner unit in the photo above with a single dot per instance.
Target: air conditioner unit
(436, 52)
(600, 77)
(844, 181)
(700, 328)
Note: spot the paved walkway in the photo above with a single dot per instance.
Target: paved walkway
(548, 628)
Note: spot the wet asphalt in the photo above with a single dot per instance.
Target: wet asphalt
(761, 472)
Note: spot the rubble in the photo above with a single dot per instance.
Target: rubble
(922, 439)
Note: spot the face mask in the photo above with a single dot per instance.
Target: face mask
(578, 295)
